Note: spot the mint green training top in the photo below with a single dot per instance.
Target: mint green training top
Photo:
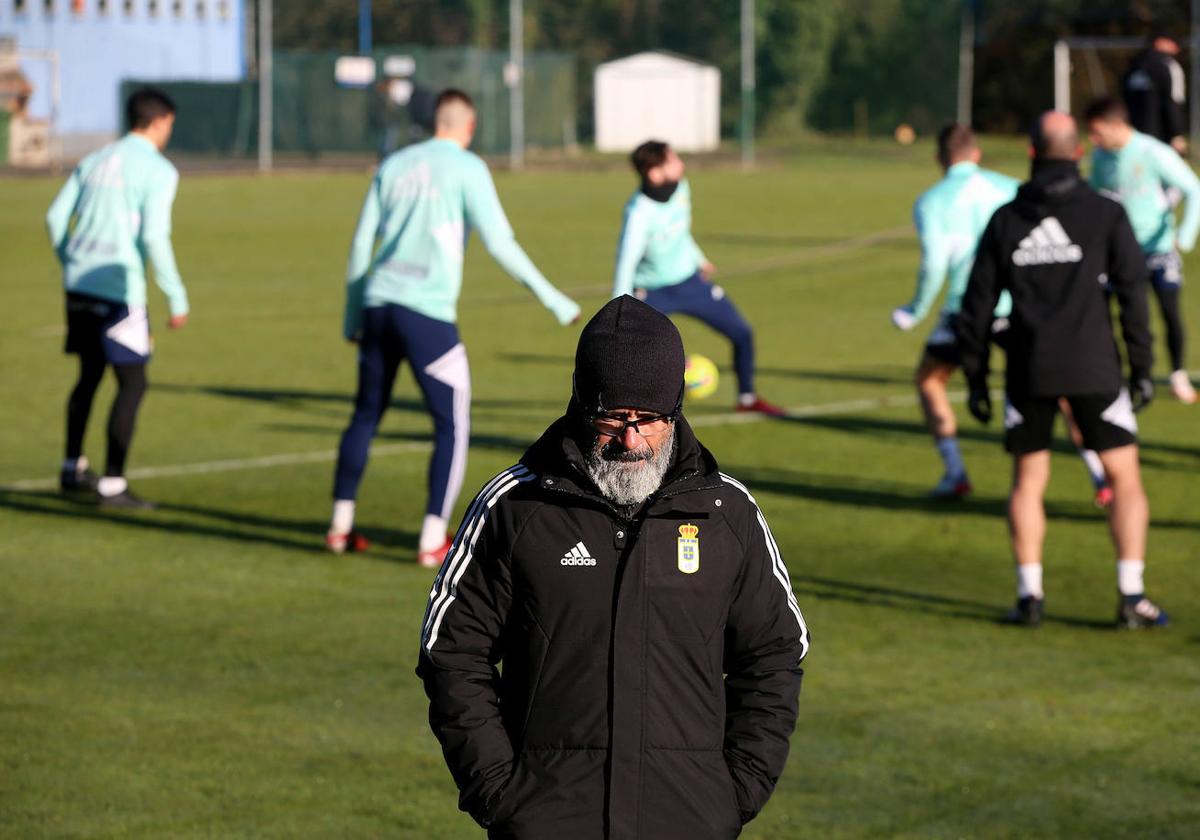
(656, 248)
(120, 201)
(950, 217)
(408, 247)
(1137, 174)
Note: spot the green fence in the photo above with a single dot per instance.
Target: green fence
(313, 114)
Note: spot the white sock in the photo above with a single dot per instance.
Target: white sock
(1095, 469)
(75, 465)
(746, 399)
(947, 447)
(111, 485)
(433, 533)
(1129, 576)
(1029, 580)
(343, 516)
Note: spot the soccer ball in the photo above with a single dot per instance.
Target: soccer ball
(905, 135)
(699, 377)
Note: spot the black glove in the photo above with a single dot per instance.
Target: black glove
(979, 401)
(1141, 390)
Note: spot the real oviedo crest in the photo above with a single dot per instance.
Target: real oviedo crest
(689, 549)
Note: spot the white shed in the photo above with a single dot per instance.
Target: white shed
(660, 96)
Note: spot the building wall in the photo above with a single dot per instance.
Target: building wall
(101, 42)
(657, 96)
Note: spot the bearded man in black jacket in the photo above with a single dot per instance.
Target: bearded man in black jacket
(649, 638)
(1060, 248)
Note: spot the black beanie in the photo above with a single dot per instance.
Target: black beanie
(630, 356)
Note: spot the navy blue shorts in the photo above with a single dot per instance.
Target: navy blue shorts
(98, 327)
(942, 344)
(707, 302)
(1166, 270)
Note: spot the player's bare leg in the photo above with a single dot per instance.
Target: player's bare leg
(931, 378)
(1027, 530)
(1091, 460)
(1129, 521)
(1129, 517)
(1026, 506)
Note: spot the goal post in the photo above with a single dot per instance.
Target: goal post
(1088, 66)
(1088, 50)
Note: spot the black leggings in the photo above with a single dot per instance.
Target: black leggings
(131, 387)
(1168, 302)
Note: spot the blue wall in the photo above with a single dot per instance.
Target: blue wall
(96, 50)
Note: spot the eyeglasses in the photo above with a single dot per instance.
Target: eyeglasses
(613, 426)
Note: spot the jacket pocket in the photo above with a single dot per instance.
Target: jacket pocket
(688, 794)
(505, 802)
(552, 794)
(522, 675)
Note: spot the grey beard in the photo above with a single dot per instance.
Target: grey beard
(628, 478)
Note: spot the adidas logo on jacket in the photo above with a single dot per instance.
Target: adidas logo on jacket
(1047, 243)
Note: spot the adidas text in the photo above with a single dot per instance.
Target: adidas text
(1046, 244)
(578, 556)
(1046, 254)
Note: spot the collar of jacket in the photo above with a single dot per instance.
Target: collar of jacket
(1054, 177)
(557, 459)
(1051, 182)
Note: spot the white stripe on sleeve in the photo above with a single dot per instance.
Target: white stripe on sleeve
(777, 565)
(445, 585)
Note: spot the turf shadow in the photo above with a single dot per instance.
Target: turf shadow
(943, 606)
(881, 427)
(801, 240)
(898, 496)
(300, 398)
(303, 399)
(501, 443)
(874, 375)
(293, 534)
(312, 529)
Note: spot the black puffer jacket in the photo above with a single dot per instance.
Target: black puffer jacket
(1057, 247)
(649, 665)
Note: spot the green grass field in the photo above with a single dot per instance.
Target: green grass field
(207, 670)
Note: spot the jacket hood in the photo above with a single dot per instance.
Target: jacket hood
(1052, 184)
(559, 453)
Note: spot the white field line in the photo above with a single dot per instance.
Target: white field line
(288, 459)
(802, 411)
(50, 331)
(831, 249)
(800, 255)
(788, 258)
(285, 459)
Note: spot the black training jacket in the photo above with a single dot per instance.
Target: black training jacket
(592, 675)
(1153, 89)
(1052, 248)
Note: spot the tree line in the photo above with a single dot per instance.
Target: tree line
(828, 65)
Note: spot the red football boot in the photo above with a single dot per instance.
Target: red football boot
(434, 559)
